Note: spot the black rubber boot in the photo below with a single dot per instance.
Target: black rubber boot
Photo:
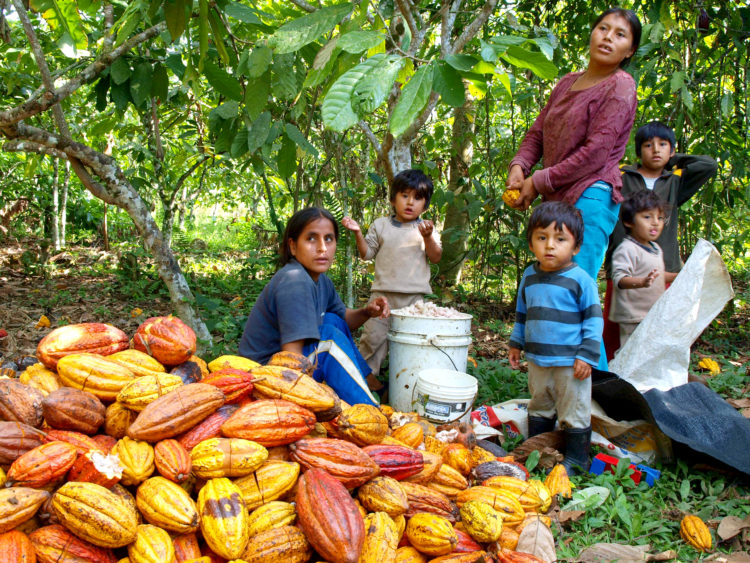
(540, 425)
(577, 447)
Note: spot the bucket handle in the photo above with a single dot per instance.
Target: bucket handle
(471, 403)
(434, 341)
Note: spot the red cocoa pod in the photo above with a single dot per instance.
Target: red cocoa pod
(398, 462)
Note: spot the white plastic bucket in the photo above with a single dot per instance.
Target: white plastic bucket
(445, 395)
(419, 343)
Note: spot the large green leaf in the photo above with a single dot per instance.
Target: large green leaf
(63, 16)
(358, 41)
(461, 62)
(413, 98)
(160, 84)
(284, 80)
(259, 131)
(227, 110)
(120, 70)
(226, 84)
(239, 143)
(447, 82)
(375, 86)
(534, 61)
(174, 14)
(140, 83)
(101, 89)
(287, 157)
(257, 91)
(296, 135)
(258, 61)
(218, 32)
(203, 29)
(306, 29)
(324, 54)
(120, 95)
(337, 110)
(242, 13)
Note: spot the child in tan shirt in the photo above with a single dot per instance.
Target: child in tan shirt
(403, 245)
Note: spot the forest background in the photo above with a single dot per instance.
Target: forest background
(153, 149)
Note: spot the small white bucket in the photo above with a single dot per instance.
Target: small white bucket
(445, 395)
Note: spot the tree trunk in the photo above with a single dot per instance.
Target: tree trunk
(56, 205)
(456, 226)
(64, 205)
(105, 227)
(167, 222)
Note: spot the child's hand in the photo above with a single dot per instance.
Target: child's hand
(581, 370)
(425, 228)
(649, 279)
(378, 307)
(350, 224)
(515, 178)
(514, 355)
(528, 195)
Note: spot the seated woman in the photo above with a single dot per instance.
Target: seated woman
(300, 311)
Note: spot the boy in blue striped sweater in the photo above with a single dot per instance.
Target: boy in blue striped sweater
(559, 326)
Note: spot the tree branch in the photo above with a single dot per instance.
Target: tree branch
(304, 5)
(370, 135)
(417, 124)
(449, 12)
(473, 28)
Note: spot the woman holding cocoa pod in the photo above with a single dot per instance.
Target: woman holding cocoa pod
(581, 135)
(300, 311)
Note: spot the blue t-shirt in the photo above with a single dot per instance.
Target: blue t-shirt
(558, 317)
(290, 308)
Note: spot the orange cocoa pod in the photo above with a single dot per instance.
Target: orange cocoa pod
(72, 409)
(341, 459)
(362, 424)
(508, 556)
(96, 467)
(269, 422)
(20, 403)
(329, 517)
(167, 339)
(186, 547)
(55, 544)
(172, 460)
(105, 443)
(42, 466)
(17, 438)
(695, 532)
(432, 463)
(82, 442)
(94, 338)
(19, 504)
(176, 412)
(16, 547)
(292, 360)
(448, 481)
(398, 462)
(236, 384)
(478, 556)
(210, 427)
(275, 382)
(408, 554)
(466, 543)
(424, 499)
(458, 457)
(188, 372)
(284, 543)
(410, 434)
(557, 482)
(508, 538)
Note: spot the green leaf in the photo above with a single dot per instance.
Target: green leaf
(128, 22)
(371, 91)
(587, 499)
(287, 157)
(218, 31)
(678, 79)
(534, 61)
(160, 84)
(174, 14)
(228, 110)
(239, 143)
(545, 47)
(119, 71)
(224, 83)
(101, 88)
(461, 62)
(258, 132)
(140, 83)
(306, 29)
(63, 16)
(687, 98)
(175, 64)
(284, 80)
(202, 30)
(358, 41)
(256, 95)
(120, 95)
(685, 489)
(225, 137)
(242, 13)
(258, 61)
(337, 110)
(414, 96)
(447, 82)
(533, 460)
(296, 135)
(505, 81)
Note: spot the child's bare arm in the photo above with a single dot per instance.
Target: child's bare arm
(354, 227)
(631, 282)
(669, 277)
(514, 355)
(432, 248)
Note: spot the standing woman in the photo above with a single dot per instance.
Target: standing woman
(581, 135)
(300, 311)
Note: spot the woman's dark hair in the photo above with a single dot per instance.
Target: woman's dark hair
(297, 224)
(635, 28)
(412, 180)
(642, 201)
(560, 213)
(649, 131)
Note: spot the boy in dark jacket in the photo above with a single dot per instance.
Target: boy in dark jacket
(675, 178)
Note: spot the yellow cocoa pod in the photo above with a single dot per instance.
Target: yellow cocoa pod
(482, 522)
(411, 434)
(448, 481)
(480, 455)
(39, 377)
(271, 481)
(274, 514)
(706, 363)
(95, 514)
(524, 491)
(504, 503)
(136, 458)
(409, 555)
(18, 505)
(286, 544)
(151, 545)
(227, 457)
(223, 517)
(3, 478)
(383, 494)
(510, 196)
(96, 374)
(167, 505)
(138, 362)
(557, 482)
(543, 493)
(117, 418)
(400, 522)
(146, 389)
(235, 362)
(695, 532)
(431, 534)
(381, 539)
(362, 424)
